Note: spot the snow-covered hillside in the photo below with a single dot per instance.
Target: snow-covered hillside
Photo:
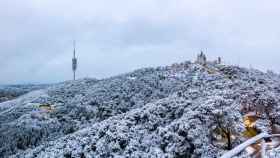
(185, 110)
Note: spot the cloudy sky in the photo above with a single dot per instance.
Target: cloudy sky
(117, 36)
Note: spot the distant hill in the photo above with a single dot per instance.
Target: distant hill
(185, 110)
(8, 92)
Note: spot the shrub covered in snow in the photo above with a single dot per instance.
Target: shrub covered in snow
(183, 110)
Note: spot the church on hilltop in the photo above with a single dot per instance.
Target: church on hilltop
(202, 59)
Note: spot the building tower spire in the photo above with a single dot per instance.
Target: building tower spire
(74, 61)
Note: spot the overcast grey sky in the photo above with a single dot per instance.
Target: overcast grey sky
(117, 36)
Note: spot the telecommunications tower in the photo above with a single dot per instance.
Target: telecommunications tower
(74, 61)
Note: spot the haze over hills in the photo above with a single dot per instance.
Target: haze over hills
(187, 110)
(8, 92)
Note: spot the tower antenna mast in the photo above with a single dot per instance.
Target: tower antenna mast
(74, 61)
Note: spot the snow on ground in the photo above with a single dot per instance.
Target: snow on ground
(178, 111)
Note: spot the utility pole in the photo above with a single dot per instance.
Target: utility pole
(74, 61)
